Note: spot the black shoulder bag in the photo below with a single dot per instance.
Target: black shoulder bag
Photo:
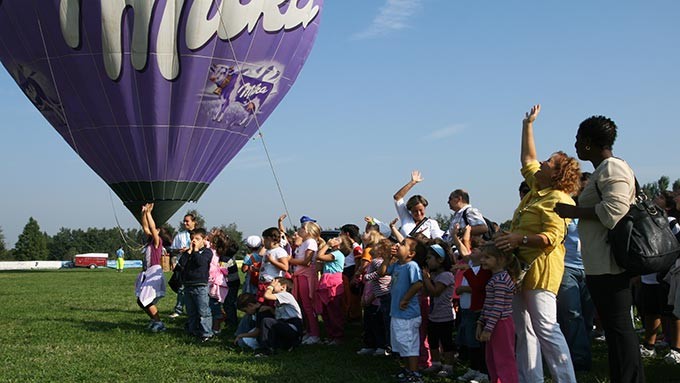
(642, 242)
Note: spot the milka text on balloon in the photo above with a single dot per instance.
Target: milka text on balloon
(229, 21)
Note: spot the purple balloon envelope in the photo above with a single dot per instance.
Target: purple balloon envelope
(156, 96)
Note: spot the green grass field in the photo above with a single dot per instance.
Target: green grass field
(83, 325)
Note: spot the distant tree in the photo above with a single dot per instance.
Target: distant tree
(32, 243)
(3, 247)
(170, 229)
(506, 225)
(676, 185)
(443, 220)
(234, 233)
(200, 220)
(653, 189)
(9, 255)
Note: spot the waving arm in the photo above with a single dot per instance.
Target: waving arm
(528, 153)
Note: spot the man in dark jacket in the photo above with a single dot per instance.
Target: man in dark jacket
(195, 277)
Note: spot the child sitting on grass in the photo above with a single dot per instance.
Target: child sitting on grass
(249, 328)
(284, 331)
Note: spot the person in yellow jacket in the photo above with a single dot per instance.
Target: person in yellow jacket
(536, 236)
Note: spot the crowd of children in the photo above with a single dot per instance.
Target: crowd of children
(405, 288)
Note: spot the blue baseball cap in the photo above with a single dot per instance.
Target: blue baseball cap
(304, 219)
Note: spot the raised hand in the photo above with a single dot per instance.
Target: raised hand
(416, 177)
(531, 115)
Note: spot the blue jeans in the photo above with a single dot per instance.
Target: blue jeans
(198, 311)
(246, 325)
(575, 315)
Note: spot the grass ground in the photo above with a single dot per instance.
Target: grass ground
(83, 325)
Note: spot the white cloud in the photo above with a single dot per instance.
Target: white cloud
(444, 133)
(393, 16)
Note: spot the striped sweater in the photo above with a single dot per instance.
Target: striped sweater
(498, 301)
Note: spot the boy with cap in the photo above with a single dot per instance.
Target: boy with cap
(251, 264)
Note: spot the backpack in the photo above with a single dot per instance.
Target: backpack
(642, 241)
(490, 225)
(176, 280)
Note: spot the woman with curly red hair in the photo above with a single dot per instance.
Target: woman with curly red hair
(536, 236)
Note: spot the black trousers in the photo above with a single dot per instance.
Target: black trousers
(278, 333)
(613, 300)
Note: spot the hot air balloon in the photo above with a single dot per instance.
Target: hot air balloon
(156, 96)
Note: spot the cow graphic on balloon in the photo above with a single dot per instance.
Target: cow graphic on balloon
(156, 96)
(239, 94)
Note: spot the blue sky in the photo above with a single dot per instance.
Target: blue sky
(395, 85)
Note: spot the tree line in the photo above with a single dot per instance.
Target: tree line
(34, 244)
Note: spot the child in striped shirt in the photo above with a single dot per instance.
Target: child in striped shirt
(495, 325)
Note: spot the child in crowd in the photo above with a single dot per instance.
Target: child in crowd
(251, 264)
(249, 328)
(495, 325)
(368, 239)
(217, 286)
(305, 277)
(228, 261)
(330, 290)
(460, 239)
(472, 292)
(274, 261)
(375, 300)
(195, 278)
(352, 297)
(284, 331)
(225, 273)
(404, 309)
(150, 284)
(438, 282)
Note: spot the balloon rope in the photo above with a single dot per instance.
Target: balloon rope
(120, 229)
(276, 178)
(257, 122)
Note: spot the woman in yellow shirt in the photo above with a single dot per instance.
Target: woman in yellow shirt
(537, 235)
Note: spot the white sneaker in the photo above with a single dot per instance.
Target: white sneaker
(173, 315)
(312, 340)
(445, 372)
(380, 352)
(469, 374)
(480, 378)
(673, 357)
(304, 338)
(366, 351)
(645, 353)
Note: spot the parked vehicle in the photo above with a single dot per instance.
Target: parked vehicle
(91, 260)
